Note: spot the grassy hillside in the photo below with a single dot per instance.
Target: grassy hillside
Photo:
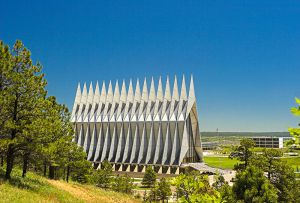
(35, 188)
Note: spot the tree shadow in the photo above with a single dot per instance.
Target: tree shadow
(19, 182)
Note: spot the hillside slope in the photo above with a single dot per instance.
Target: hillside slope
(35, 188)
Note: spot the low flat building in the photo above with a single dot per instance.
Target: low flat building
(209, 145)
(270, 142)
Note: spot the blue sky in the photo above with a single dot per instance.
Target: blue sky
(244, 55)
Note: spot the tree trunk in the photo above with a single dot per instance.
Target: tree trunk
(2, 160)
(269, 172)
(45, 168)
(25, 163)
(10, 155)
(9, 161)
(51, 172)
(68, 173)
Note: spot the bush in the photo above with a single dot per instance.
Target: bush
(102, 177)
(149, 178)
(122, 184)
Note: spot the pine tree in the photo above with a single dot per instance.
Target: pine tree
(243, 153)
(102, 177)
(194, 187)
(267, 161)
(164, 189)
(149, 178)
(123, 184)
(23, 96)
(5, 59)
(32, 125)
(252, 186)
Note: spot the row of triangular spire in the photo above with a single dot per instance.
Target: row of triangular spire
(116, 95)
(114, 98)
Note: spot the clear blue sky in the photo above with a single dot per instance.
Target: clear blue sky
(244, 55)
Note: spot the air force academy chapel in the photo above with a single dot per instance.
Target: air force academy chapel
(134, 128)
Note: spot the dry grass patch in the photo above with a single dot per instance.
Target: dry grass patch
(88, 193)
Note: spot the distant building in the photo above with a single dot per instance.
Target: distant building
(270, 142)
(136, 128)
(209, 145)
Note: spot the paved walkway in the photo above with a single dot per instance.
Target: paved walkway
(227, 174)
(205, 168)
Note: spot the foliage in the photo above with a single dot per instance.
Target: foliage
(153, 194)
(34, 127)
(284, 179)
(194, 187)
(145, 196)
(243, 153)
(267, 161)
(252, 186)
(295, 132)
(149, 178)
(56, 147)
(227, 193)
(122, 184)
(80, 169)
(161, 191)
(102, 177)
(164, 189)
(22, 98)
(219, 182)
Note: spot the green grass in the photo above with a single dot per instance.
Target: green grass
(35, 188)
(226, 163)
(220, 162)
(137, 179)
(293, 161)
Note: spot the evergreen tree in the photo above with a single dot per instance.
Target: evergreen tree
(284, 179)
(252, 186)
(243, 153)
(163, 189)
(77, 164)
(102, 177)
(34, 127)
(5, 69)
(20, 99)
(279, 174)
(267, 161)
(56, 142)
(149, 178)
(194, 187)
(227, 193)
(153, 194)
(123, 184)
(52, 124)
